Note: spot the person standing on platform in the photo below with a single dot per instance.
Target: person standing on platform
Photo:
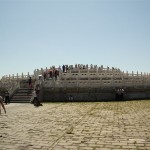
(63, 68)
(30, 82)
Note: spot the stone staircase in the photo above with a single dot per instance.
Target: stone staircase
(22, 95)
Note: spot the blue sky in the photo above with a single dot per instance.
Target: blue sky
(37, 34)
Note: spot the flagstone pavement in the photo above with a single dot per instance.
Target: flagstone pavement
(76, 126)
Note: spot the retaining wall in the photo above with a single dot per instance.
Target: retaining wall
(92, 94)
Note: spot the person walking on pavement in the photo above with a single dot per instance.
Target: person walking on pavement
(35, 98)
(2, 104)
(7, 98)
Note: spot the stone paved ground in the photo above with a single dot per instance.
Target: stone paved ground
(76, 126)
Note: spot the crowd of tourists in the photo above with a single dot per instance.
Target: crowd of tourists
(119, 94)
(54, 72)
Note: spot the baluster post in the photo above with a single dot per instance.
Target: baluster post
(17, 76)
(22, 75)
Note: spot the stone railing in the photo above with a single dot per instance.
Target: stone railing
(84, 75)
(18, 77)
(95, 83)
(96, 79)
(76, 68)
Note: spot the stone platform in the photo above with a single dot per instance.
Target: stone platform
(76, 126)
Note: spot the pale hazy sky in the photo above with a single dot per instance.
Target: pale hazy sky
(42, 33)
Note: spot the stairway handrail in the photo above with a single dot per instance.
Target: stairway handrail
(13, 88)
(10, 86)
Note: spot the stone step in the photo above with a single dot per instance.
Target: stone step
(15, 99)
(21, 101)
(24, 92)
(22, 95)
